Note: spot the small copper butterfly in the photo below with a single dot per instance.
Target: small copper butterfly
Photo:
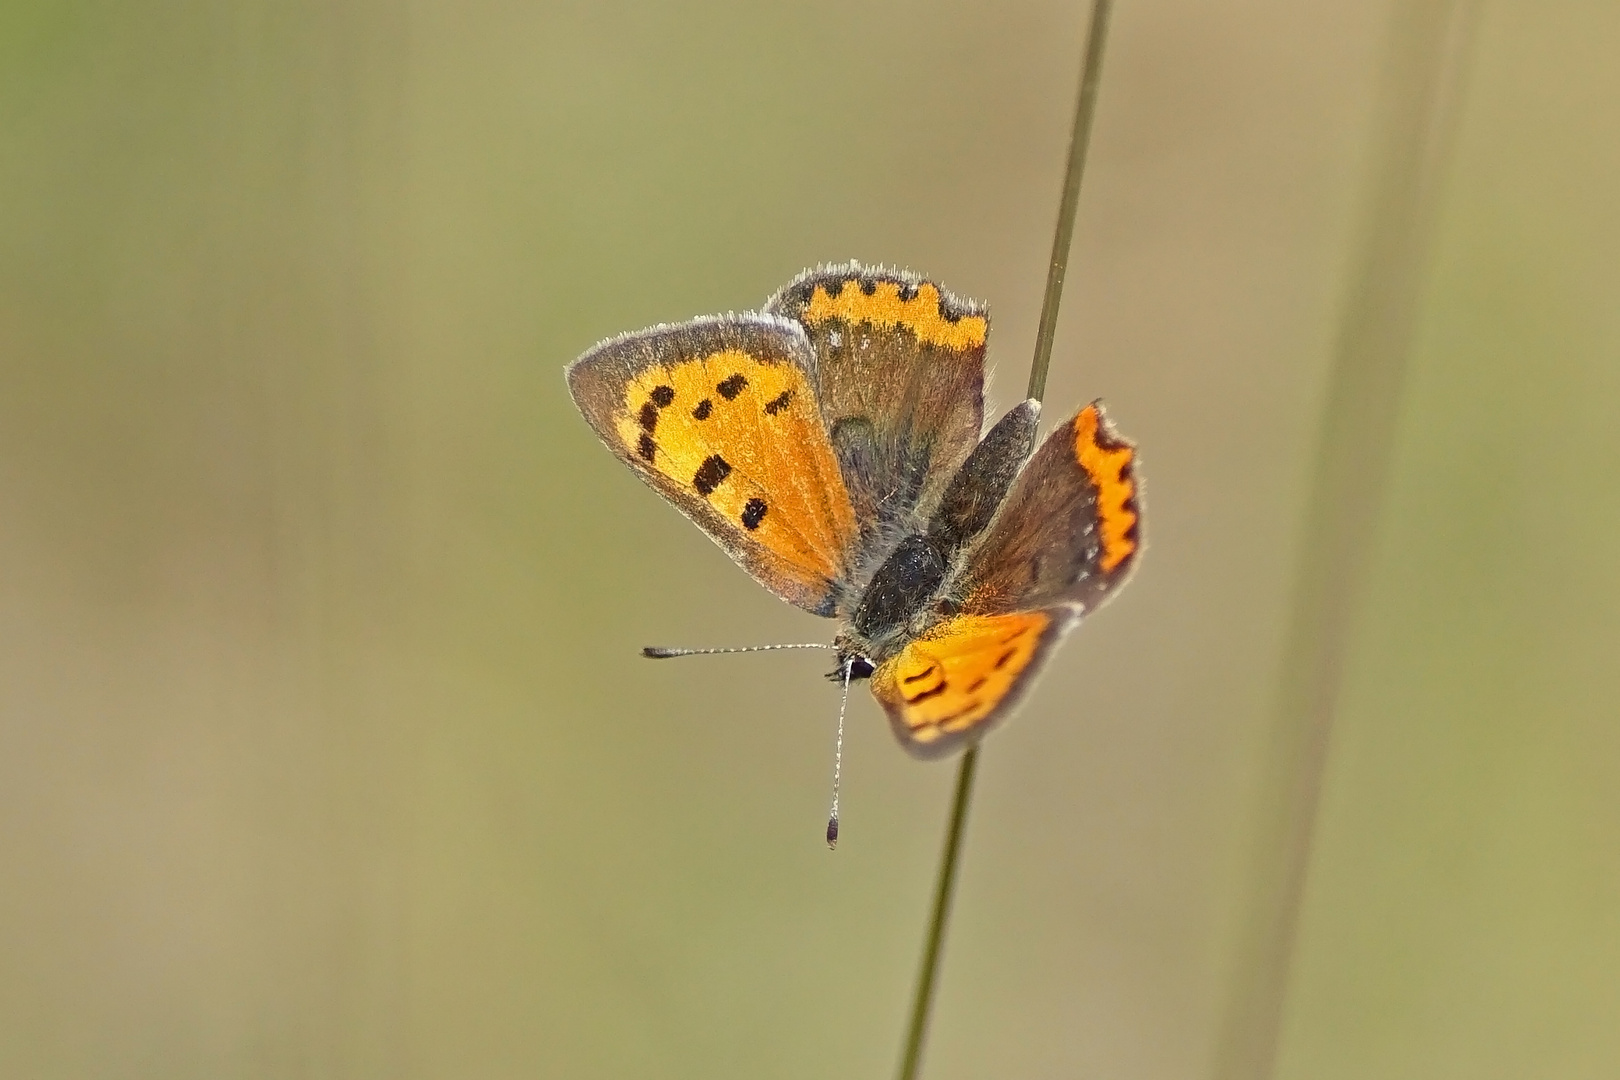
(831, 444)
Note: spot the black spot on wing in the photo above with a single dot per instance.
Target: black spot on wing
(779, 402)
(973, 703)
(933, 691)
(869, 286)
(704, 408)
(646, 449)
(649, 418)
(663, 395)
(731, 387)
(753, 514)
(711, 474)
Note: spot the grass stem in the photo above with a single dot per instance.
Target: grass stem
(1079, 138)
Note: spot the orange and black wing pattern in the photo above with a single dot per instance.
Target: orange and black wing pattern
(900, 380)
(1070, 530)
(1067, 535)
(720, 416)
(956, 680)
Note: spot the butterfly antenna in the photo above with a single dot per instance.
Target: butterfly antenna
(838, 759)
(655, 652)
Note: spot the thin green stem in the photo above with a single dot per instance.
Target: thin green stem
(1079, 138)
(1079, 141)
(924, 1001)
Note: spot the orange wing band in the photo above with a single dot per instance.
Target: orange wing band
(923, 314)
(1107, 465)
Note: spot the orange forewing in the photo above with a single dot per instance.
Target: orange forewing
(721, 417)
(963, 674)
(771, 439)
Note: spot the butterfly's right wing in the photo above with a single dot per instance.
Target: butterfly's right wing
(1067, 535)
(1069, 531)
(719, 415)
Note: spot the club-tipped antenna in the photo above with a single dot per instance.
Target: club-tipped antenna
(838, 759)
(658, 652)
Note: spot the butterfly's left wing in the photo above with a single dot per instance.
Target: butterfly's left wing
(1066, 537)
(719, 415)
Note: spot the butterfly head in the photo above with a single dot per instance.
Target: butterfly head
(851, 665)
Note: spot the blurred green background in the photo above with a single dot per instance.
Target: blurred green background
(324, 747)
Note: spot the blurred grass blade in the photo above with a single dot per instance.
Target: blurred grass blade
(1427, 60)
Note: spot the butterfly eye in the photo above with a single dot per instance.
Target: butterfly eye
(859, 667)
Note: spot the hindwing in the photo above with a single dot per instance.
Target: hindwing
(956, 680)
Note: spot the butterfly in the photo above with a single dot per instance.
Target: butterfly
(831, 444)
